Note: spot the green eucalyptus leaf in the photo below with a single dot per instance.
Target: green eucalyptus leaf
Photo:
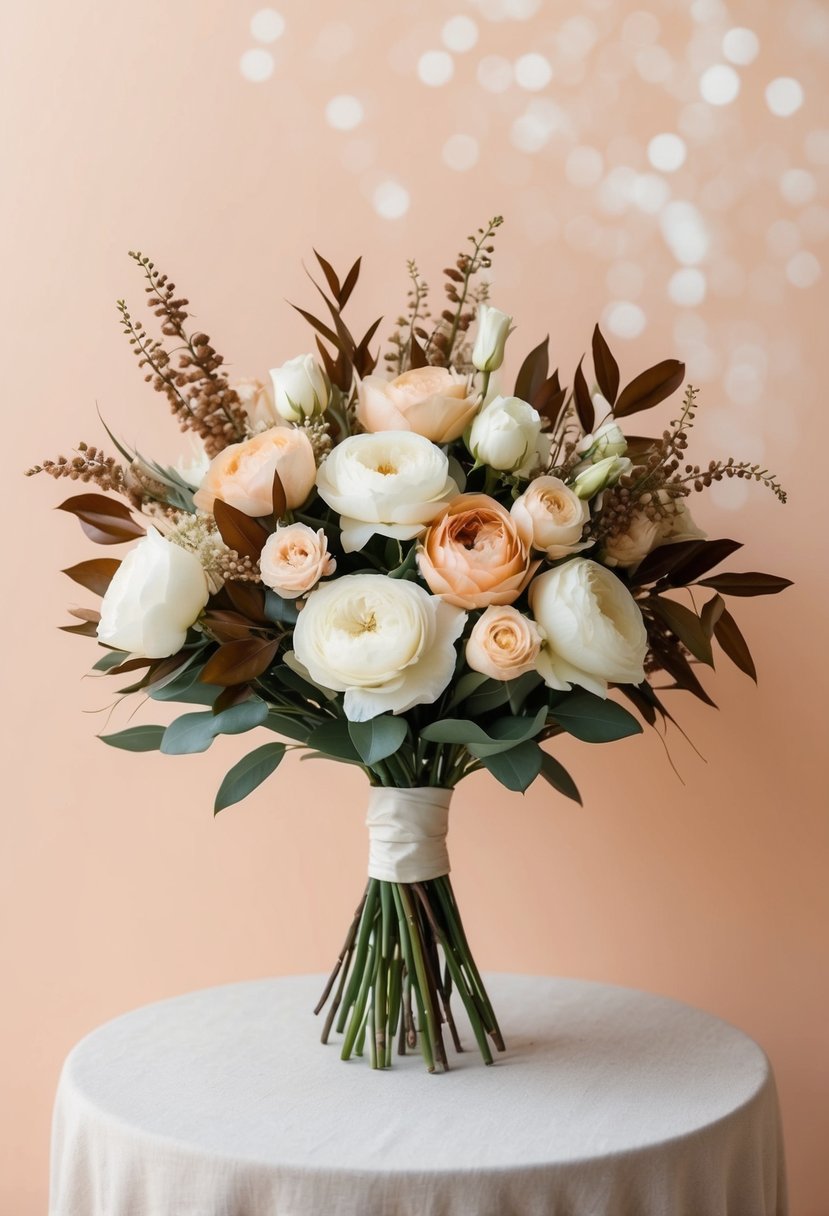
(470, 682)
(594, 720)
(280, 611)
(333, 739)
(188, 734)
(239, 718)
(112, 658)
(378, 738)
(558, 777)
(286, 724)
(136, 739)
(454, 730)
(249, 773)
(516, 768)
(505, 733)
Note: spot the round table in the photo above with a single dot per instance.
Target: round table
(608, 1102)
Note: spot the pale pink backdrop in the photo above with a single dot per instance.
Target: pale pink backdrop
(228, 140)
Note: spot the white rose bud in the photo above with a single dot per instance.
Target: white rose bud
(494, 327)
(607, 440)
(594, 632)
(155, 595)
(593, 478)
(506, 435)
(300, 388)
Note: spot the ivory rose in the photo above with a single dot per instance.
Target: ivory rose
(385, 642)
(300, 389)
(506, 435)
(555, 515)
(594, 632)
(242, 474)
(393, 483)
(503, 644)
(642, 535)
(154, 597)
(494, 327)
(432, 401)
(294, 559)
(476, 553)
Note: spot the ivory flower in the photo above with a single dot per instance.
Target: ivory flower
(242, 474)
(503, 644)
(300, 389)
(294, 559)
(555, 515)
(385, 642)
(476, 553)
(642, 535)
(591, 479)
(256, 400)
(154, 597)
(494, 327)
(506, 435)
(607, 440)
(432, 401)
(394, 483)
(594, 632)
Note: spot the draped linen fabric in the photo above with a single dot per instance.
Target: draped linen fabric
(407, 833)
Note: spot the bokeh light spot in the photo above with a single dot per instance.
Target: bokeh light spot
(784, 96)
(741, 46)
(435, 68)
(344, 112)
(256, 65)
(719, 84)
(391, 200)
(459, 34)
(533, 71)
(267, 25)
(667, 152)
(460, 152)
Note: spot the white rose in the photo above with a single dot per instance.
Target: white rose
(300, 388)
(155, 596)
(294, 559)
(555, 515)
(591, 479)
(394, 483)
(642, 535)
(594, 629)
(606, 440)
(385, 642)
(506, 435)
(491, 338)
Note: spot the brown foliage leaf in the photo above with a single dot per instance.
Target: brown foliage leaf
(650, 387)
(95, 575)
(238, 662)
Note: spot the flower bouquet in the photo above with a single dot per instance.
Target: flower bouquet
(418, 573)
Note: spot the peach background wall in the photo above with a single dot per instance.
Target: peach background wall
(208, 134)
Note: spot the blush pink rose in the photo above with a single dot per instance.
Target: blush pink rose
(503, 644)
(432, 401)
(242, 474)
(294, 559)
(476, 554)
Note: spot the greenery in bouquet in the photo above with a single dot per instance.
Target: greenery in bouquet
(413, 571)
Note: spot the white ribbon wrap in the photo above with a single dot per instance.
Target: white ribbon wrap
(407, 833)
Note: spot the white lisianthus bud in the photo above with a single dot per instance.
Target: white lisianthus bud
(596, 477)
(155, 595)
(594, 632)
(494, 327)
(506, 435)
(607, 440)
(300, 388)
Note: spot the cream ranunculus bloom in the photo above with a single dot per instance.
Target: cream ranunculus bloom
(392, 483)
(642, 535)
(385, 642)
(300, 389)
(294, 559)
(155, 595)
(555, 515)
(432, 401)
(242, 474)
(476, 553)
(506, 435)
(594, 632)
(494, 327)
(503, 644)
(257, 402)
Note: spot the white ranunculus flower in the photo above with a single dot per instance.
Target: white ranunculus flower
(155, 596)
(642, 535)
(506, 435)
(594, 632)
(394, 483)
(300, 389)
(385, 642)
(491, 338)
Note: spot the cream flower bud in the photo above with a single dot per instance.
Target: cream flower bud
(294, 559)
(506, 435)
(300, 388)
(494, 327)
(607, 440)
(503, 644)
(642, 535)
(592, 478)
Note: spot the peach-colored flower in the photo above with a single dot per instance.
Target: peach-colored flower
(242, 474)
(554, 514)
(294, 559)
(503, 644)
(476, 554)
(432, 401)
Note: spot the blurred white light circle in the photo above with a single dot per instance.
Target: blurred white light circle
(687, 287)
(495, 73)
(798, 186)
(719, 84)
(650, 193)
(784, 96)
(435, 68)
(625, 319)
(391, 200)
(267, 25)
(816, 145)
(667, 152)
(684, 231)
(256, 65)
(344, 112)
(533, 71)
(741, 46)
(529, 133)
(459, 34)
(584, 166)
(460, 152)
(803, 270)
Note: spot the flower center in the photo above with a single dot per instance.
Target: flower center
(386, 468)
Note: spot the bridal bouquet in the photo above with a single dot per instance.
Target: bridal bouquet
(423, 572)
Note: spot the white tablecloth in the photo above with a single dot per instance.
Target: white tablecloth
(609, 1102)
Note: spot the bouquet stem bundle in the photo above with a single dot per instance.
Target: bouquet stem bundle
(391, 986)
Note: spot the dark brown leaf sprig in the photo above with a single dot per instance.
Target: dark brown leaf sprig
(348, 357)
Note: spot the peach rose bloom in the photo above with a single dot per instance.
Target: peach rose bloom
(242, 474)
(476, 554)
(555, 515)
(503, 644)
(294, 559)
(432, 401)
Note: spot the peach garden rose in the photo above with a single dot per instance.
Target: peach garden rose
(433, 401)
(242, 474)
(555, 515)
(294, 559)
(503, 644)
